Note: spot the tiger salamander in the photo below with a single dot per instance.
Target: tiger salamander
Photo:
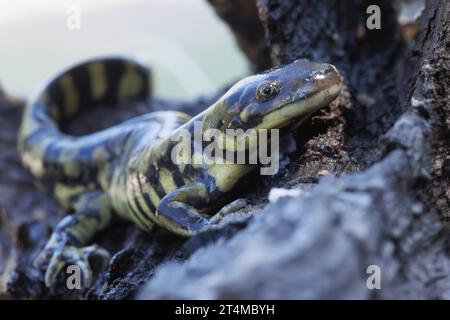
(127, 170)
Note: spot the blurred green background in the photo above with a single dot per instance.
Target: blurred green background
(191, 51)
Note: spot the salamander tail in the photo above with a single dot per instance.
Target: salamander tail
(100, 81)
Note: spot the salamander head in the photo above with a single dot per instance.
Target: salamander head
(281, 96)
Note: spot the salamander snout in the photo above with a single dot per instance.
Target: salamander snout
(324, 77)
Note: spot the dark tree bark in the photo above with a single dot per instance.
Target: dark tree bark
(383, 146)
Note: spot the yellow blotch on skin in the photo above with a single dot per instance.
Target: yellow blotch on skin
(226, 175)
(117, 196)
(33, 158)
(54, 110)
(70, 165)
(214, 115)
(131, 82)
(102, 177)
(72, 169)
(65, 193)
(70, 95)
(99, 83)
(34, 164)
(166, 179)
(100, 155)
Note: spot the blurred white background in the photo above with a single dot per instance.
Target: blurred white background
(191, 51)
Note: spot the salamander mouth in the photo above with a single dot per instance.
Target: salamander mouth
(292, 124)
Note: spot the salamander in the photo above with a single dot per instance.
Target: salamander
(127, 170)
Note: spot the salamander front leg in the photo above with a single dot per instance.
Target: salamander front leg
(179, 210)
(67, 243)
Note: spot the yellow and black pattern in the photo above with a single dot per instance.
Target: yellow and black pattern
(53, 156)
(128, 170)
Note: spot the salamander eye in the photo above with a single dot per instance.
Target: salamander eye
(267, 91)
